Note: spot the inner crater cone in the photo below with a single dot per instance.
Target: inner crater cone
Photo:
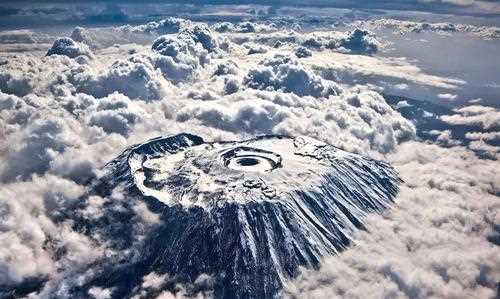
(250, 159)
(248, 213)
(247, 161)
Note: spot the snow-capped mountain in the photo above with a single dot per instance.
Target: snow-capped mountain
(248, 213)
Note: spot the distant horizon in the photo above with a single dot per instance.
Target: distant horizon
(459, 7)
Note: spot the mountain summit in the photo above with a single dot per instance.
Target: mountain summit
(246, 213)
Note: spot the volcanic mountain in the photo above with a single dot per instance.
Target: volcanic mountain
(246, 213)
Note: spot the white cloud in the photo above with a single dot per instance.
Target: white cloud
(454, 2)
(84, 36)
(153, 284)
(475, 115)
(358, 41)
(29, 222)
(182, 55)
(100, 293)
(447, 96)
(377, 70)
(402, 104)
(17, 37)
(135, 77)
(445, 137)
(35, 149)
(165, 26)
(302, 52)
(485, 149)
(242, 27)
(68, 47)
(488, 136)
(14, 83)
(24, 36)
(115, 114)
(486, 32)
(359, 121)
(153, 280)
(282, 73)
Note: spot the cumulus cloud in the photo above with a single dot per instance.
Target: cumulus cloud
(255, 49)
(83, 35)
(114, 114)
(165, 26)
(484, 149)
(243, 27)
(135, 77)
(359, 121)
(489, 136)
(445, 137)
(402, 104)
(41, 138)
(44, 140)
(68, 47)
(486, 117)
(32, 235)
(24, 37)
(17, 36)
(402, 27)
(393, 75)
(284, 74)
(447, 96)
(15, 83)
(100, 293)
(182, 55)
(249, 116)
(302, 52)
(200, 33)
(357, 41)
(226, 68)
(153, 283)
(231, 85)
(131, 74)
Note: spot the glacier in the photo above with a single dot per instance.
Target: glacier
(248, 213)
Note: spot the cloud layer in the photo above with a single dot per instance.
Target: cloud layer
(70, 107)
(434, 244)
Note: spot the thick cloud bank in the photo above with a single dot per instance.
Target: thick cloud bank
(182, 55)
(359, 41)
(69, 105)
(68, 47)
(402, 27)
(168, 25)
(283, 74)
(485, 139)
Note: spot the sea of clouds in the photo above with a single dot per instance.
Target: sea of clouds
(70, 104)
